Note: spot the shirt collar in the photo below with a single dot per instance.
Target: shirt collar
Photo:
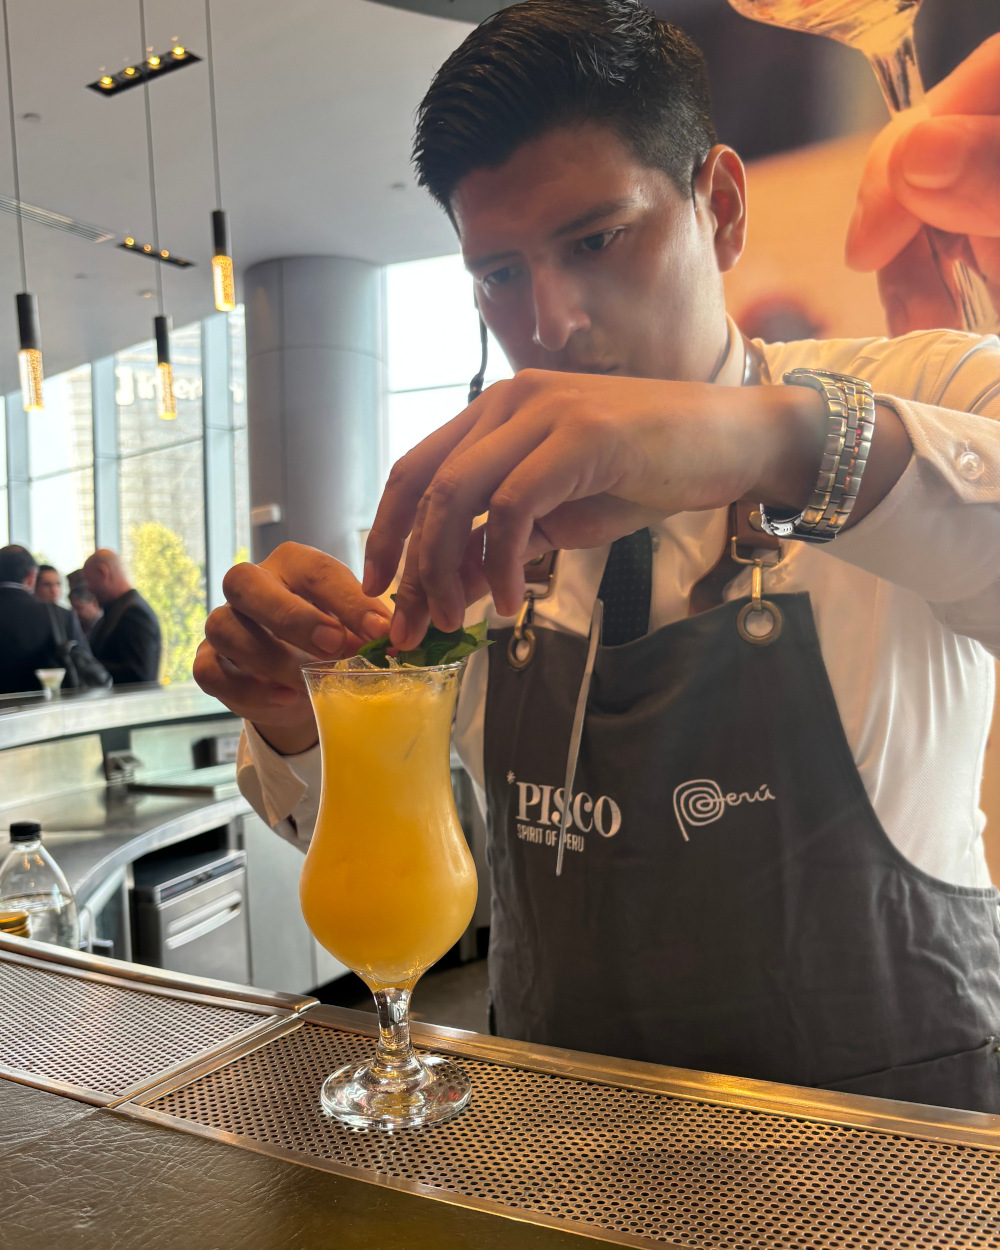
(731, 371)
(14, 586)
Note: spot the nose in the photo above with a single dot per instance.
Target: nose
(559, 313)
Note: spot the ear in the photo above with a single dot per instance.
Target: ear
(720, 190)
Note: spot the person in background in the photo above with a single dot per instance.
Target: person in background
(127, 639)
(27, 640)
(48, 584)
(87, 609)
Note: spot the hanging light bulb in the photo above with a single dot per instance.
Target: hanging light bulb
(29, 357)
(223, 283)
(222, 264)
(166, 408)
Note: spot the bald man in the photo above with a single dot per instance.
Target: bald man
(127, 637)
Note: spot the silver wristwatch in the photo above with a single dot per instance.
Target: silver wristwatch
(850, 425)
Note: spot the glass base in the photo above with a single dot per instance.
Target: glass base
(434, 1089)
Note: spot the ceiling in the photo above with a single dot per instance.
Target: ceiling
(315, 103)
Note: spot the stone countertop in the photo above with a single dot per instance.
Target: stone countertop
(93, 833)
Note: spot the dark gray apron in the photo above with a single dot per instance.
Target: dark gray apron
(728, 899)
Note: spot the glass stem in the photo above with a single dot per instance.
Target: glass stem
(898, 75)
(394, 1057)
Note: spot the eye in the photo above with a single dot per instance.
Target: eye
(497, 278)
(598, 242)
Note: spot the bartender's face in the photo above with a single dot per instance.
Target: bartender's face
(585, 260)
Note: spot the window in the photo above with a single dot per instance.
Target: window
(162, 493)
(432, 349)
(241, 454)
(60, 472)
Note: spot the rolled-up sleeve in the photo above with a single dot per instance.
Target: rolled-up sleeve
(282, 789)
(937, 532)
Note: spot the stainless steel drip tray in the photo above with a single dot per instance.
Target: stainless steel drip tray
(622, 1152)
(100, 1030)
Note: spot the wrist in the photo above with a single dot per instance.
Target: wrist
(793, 430)
(289, 739)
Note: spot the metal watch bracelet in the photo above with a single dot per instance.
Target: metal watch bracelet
(850, 425)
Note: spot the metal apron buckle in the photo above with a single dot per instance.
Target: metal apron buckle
(758, 605)
(521, 647)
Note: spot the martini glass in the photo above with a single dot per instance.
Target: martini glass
(883, 31)
(388, 884)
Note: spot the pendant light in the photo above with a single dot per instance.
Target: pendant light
(222, 261)
(29, 356)
(166, 408)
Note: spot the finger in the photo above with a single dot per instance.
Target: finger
(459, 492)
(556, 471)
(243, 693)
(252, 649)
(946, 171)
(305, 598)
(913, 293)
(409, 624)
(880, 227)
(408, 479)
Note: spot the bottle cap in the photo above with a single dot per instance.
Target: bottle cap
(25, 830)
(14, 922)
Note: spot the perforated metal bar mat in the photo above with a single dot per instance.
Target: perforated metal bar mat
(620, 1164)
(92, 1037)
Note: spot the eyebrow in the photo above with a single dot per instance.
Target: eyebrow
(599, 211)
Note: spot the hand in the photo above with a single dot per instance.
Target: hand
(937, 165)
(574, 460)
(293, 607)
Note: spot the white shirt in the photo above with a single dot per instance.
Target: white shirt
(906, 603)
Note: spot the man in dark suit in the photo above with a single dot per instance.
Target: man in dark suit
(27, 637)
(127, 637)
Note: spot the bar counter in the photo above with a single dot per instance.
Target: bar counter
(139, 1108)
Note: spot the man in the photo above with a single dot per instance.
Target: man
(27, 640)
(127, 638)
(775, 867)
(48, 584)
(84, 605)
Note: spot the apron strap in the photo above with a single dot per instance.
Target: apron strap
(576, 735)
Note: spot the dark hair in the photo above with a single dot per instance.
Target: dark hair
(47, 568)
(15, 563)
(546, 63)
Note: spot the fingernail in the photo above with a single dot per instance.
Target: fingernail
(933, 155)
(327, 638)
(374, 625)
(398, 628)
(368, 577)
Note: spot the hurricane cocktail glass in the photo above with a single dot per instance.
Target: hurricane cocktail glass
(388, 884)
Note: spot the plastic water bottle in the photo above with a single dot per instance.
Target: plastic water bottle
(32, 881)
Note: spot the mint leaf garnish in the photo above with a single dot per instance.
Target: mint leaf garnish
(436, 647)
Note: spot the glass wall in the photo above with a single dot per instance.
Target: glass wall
(146, 493)
(4, 524)
(61, 472)
(161, 492)
(432, 349)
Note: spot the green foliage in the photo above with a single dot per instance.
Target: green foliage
(171, 582)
